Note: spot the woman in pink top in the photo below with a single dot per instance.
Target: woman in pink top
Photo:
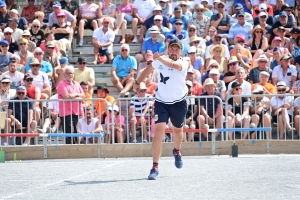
(124, 17)
(29, 11)
(119, 124)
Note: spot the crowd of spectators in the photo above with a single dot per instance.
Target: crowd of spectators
(232, 47)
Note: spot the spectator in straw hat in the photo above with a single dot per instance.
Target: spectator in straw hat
(201, 22)
(217, 40)
(31, 45)
(217, 52)
(262, 65)
(195, 41)
(264, 78)
(186, 9)
(192, 33)
(258, 41)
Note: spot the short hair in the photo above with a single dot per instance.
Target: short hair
(47, 34)
(39, 13)
(12, 62)
(240, 68)
(69, 67)
(83, 83)
(125, 45)
(23, 40)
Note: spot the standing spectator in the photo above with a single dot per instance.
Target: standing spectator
(107, 10)
(69, 111)
(197, 87)
(240, 78)
(22, 22)
(46, 7)
(5, 92)
(85, 74)
(178, 15)
(70, 6)
(4, 13)
(241, 27)
(285, 72)
(20, 114)
(24, 54)
(201, 22)
(103, 39)
(62, 31)
(57, 9)
(124, 17)
(28, 12)
(87, 15)
(13, 45)
(100, 105)
(37, 35)
(263, 65)
(141, 11)
(50, 56)
(234, 18)
(267, 87)
(221, 21)
(5, 55)
(14, 76)
(13, 24)
(123, 69)
(31, 45)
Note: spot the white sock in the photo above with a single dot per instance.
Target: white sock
(54, 129)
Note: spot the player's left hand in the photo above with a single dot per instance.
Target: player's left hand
(156, 55)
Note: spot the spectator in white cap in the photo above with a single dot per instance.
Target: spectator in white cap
(141, 11)
(6, 93)
(262, 7)
(31, 45)
(196, 61)
(37, 35)
(13, 45)
(158, 21)
(214, 74)
(264, 78)
(166, 8)
(213, 64)
(57, 9)
(264, 19)
(49, 37)
(22, 22)
(263, 64)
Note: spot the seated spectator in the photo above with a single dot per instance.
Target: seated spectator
(52, 116)
(85, 74)
(119, 125)
(50, 55)
(143, 65)
(259, 111)
(49, 37)
(197, 42)
(14, 76)
(139, 112)
(262, 65)
(283, 21)
(31, 45)
(28, 12)
(45, 66)
(89, 125)
(70, 111)
(88, 18)
(238, 110)
(10, 4)
(40, 17)
(124, 17)
(123, 70)
(282, 109)
(5, 92)
(192, 33)
(285, 72)
(296, 115)
(178, 32)
(240, 78)
(150, 44)
(276, 43)
(262, 7)
(210, 108)
(196, 61)
(264, 78)
(35, 94)
(288, 10)
(185, 9)
(166, 8)
(20, 114)
(24, 54)
(62, 31)
(276, 57)
(212, 31)
(103, 39)
(201, 22)
(197, 87)
(217, 52)
(264, 20)
(15, 58)
(37, 35)
(47, 8)
(241, 27)
(13, 24)
(70, 6)
(107, 10)
(213, 64)
(5, 55)
(85, 87)
(258, 41)
(217, 40)
(40, 79)
(277, 7)
(141, 11)
(22, 22)
(294, 32)
(221, 20)
(57, 9)
(13, 44)
(58, 71)
(100, 105)
(243, 55)
(285, 41)
(214, 74)
(178, 15)
(158, 21)
(4, 13)
(234, 18)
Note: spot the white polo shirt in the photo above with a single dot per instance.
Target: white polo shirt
(171, 82)
(277, 102)
(144, 8)
(287, 78)
(16, 79)
(40, 80)
(53, 105)
(104, 37)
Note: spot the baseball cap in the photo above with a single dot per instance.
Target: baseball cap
(8, 30)
(14, 11)
(276, 38)
(285, 57)
(240, 13)
(157, 7)
(171, 36)
(63, 60)
(192, 49)
(176, 42)
(281, 84)
(2, 3)
(105, 19)
(238, 6)
(21, 88)
(27, 76)
(61, 13)
(26, 32)
(189, 83)
(177, 9)
(14, 20)
(192, 26)
(50, 44)
(81, 60)
(178, 21)
(209, 81)
(262, 57)
(100, 87)
(240, 36)
(158, 17)
(295, 30)
(262, 14)
(4, 42)
(5, 79)
(214, 71)
(56, 4)
(262, 6)
(282, 13)
(235, 84)
(37, 50)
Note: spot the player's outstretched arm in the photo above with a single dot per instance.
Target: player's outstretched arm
(143, 75)
(168, 61)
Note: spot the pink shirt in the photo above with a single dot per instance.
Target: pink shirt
(88, 10)
(69, 107)
(119, 118)
(126, 9)
(43, 47)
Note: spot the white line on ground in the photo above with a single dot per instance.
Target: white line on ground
(60, 181)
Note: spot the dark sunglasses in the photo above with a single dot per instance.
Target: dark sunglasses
(258, 31)
(4, 46)
(35, 17)
(60, 16)
(20, 93)
(263, 16)
(35, 65)
(197, 42)
(157, 20)
(192, 30)
(238, 88)
(5, 83)
(141, 90)
(280, 90)
(192, 53)
(81, 63)
(221, 6)
(29, 80)
(240, 41)
(214, 66)
(232, 64)
(50, 47)
(178, 24)
(22, 44)
(35, 26)
(182, 5)
(37, 53)
(7, 33)
(123, 50)
(200, 10)
(263, 61)
(257, 11)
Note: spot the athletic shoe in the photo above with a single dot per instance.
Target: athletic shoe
(145, 141)
(135, 40)
(80, 43)
(134, 141)
(25, 144)
(178, 161)
(5, 144)
(153, 174)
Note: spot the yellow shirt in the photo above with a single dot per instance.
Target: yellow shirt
(85, 75)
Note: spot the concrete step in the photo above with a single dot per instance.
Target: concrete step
(89, 33)
(88, 48)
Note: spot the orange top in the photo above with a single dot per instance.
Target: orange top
(267, 86)
(87, 102)
(100, 104)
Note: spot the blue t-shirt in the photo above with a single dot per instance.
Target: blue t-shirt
(123, 67)
(4, 60)
(148, 45)
(273, 64)
(296, 54)
(46, 67)
(182, 35)
(198, 63)
(22, 22)
(185, 20)
(150, 22)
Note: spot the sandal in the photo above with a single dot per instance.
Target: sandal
(94, 62)
(122, 41)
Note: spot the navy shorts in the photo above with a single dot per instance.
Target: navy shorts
(176, 112)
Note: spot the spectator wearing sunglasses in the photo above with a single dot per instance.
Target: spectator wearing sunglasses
(178, 31)
(84, 74)
(40, 17)
(262, 7)
(6, 93)
(22, 22)
(288, 9)
(31, 45)
(201, 22)
(23, 52)
(192, 33)
(37, 35)
(51, 56)
(234, 18)
(13, 45)
(185, 9)
(283, 21)
(179, 16)
(5, 55)
(221, 20)
(262, 65)
(158, 21)
(233, 65)
(57, 9)
(213, 64)
(264, 19)
(264, 82)
(28, 12)
(62, 31)
(258, 42)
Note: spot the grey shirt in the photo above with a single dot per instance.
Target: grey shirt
(109, 10)
(53, 18)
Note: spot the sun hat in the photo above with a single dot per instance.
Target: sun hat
(217, 46)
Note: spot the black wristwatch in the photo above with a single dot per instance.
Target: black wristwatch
(136, 83)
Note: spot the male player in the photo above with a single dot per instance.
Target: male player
(170, 100)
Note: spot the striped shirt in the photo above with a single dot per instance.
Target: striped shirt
(139, 105)
(236, 29)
